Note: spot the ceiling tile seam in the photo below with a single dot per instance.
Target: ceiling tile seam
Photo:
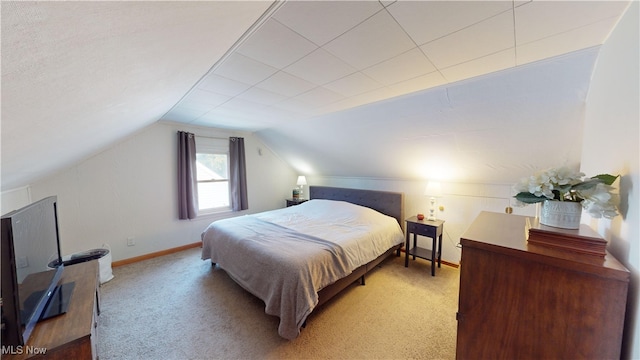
(413, 41)
(478, 58)
(569, 30)
(325, 46)
(324, 49)
(466, 27)
(617, 21)
(376, 64)
(284, 72)
(351, 97)
(314, 88)
(334, 38)
(286, 65)
(364, 92)
(212, 108)
(282, 69)
(413, 78)
(251, 86)
(324, 86)
(523, 4)
(253, 28)
(295, 96)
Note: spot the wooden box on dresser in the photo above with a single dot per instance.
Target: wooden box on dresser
(526, 301)
(71, 335)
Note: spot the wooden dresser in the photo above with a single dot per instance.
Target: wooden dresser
(526, 301)
(71, 335)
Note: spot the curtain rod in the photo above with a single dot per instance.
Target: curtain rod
(214, 137)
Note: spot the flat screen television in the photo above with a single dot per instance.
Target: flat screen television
(31, 289)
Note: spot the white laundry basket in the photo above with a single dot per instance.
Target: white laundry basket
(106, 273)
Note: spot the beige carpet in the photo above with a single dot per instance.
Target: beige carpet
(179, 307)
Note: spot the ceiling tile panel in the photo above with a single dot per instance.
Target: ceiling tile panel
(540, 19)
(484, 38)
(222, 85)
(377, 39)
(243, 69)
(206, 97)
(320, 67)
(195, 106)
(358, 100)
(241, 108)
(494, 62)
(322, 21)
(232, 58)
(354, 84)
(261, 96)
(184, 114)
(276, 45)
(293, 105)
(319, 97)
(286, 84)
(425, 21)
(222, 118)
(586, 36)
(403, 67)
(418, 83)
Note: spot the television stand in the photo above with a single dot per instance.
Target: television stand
(59, 302)
(71, 335)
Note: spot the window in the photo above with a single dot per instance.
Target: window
(212, 168)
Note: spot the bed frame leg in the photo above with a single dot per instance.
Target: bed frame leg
(362, 280)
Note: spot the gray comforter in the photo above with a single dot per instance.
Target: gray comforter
(279, 257)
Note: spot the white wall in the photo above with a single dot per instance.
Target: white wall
(610, 145)
(129, 190)
(461, 202)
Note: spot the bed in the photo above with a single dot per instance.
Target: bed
(297, 258)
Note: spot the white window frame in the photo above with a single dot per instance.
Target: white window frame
(208, 145)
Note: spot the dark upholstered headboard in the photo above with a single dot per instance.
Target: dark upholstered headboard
(386, 202)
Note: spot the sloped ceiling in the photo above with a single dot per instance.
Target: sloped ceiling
(78, 76)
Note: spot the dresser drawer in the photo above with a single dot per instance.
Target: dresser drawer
(424, 230)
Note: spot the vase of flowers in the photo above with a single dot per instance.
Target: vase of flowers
(564, 193)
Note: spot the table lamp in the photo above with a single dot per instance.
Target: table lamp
(433, 191)
(302, 181)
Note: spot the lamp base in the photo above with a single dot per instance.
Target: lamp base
(432, 209)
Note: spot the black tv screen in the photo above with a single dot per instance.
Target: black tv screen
(30, 241)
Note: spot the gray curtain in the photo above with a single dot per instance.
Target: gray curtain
(238, 176)
(187, 177)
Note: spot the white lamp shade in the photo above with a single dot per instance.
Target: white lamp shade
(302, 180)
(433, 189)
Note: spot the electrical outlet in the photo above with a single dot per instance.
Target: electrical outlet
(22, 262)
(131, 241)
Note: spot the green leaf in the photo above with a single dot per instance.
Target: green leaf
(587, 184)
(606, 178)
(529, 198)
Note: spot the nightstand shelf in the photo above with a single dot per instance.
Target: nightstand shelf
(420, 252)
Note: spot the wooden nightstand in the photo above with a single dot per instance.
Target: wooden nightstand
(432, 229)
(291, 202)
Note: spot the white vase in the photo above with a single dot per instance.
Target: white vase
(561, 214)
